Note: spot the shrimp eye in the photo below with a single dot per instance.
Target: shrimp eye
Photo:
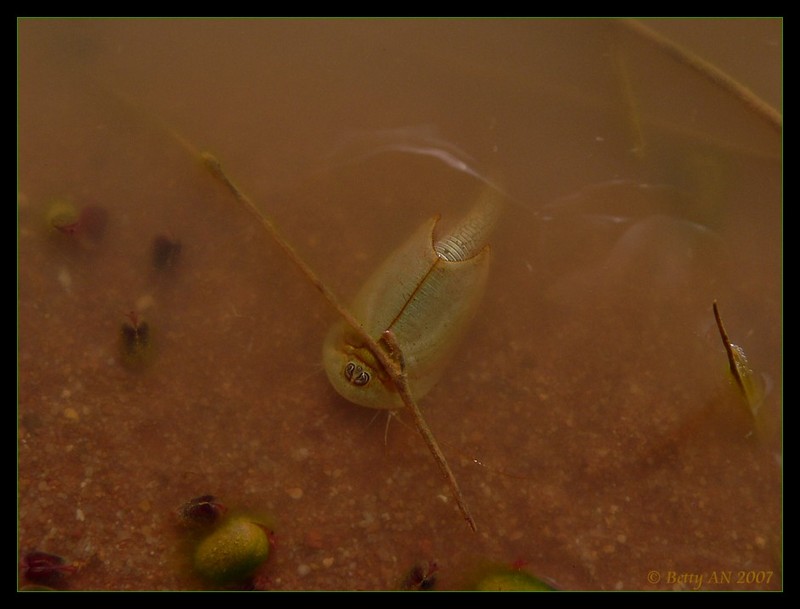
(362, 378)
(356, 374)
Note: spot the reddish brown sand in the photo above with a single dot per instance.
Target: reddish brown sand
(589, 415)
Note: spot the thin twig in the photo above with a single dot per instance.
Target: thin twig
(710, 71)
(391, 363)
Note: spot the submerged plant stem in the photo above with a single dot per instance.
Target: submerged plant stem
(629, 98)
(391, 363)
(710, 71)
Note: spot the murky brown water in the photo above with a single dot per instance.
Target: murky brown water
(593, 388)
